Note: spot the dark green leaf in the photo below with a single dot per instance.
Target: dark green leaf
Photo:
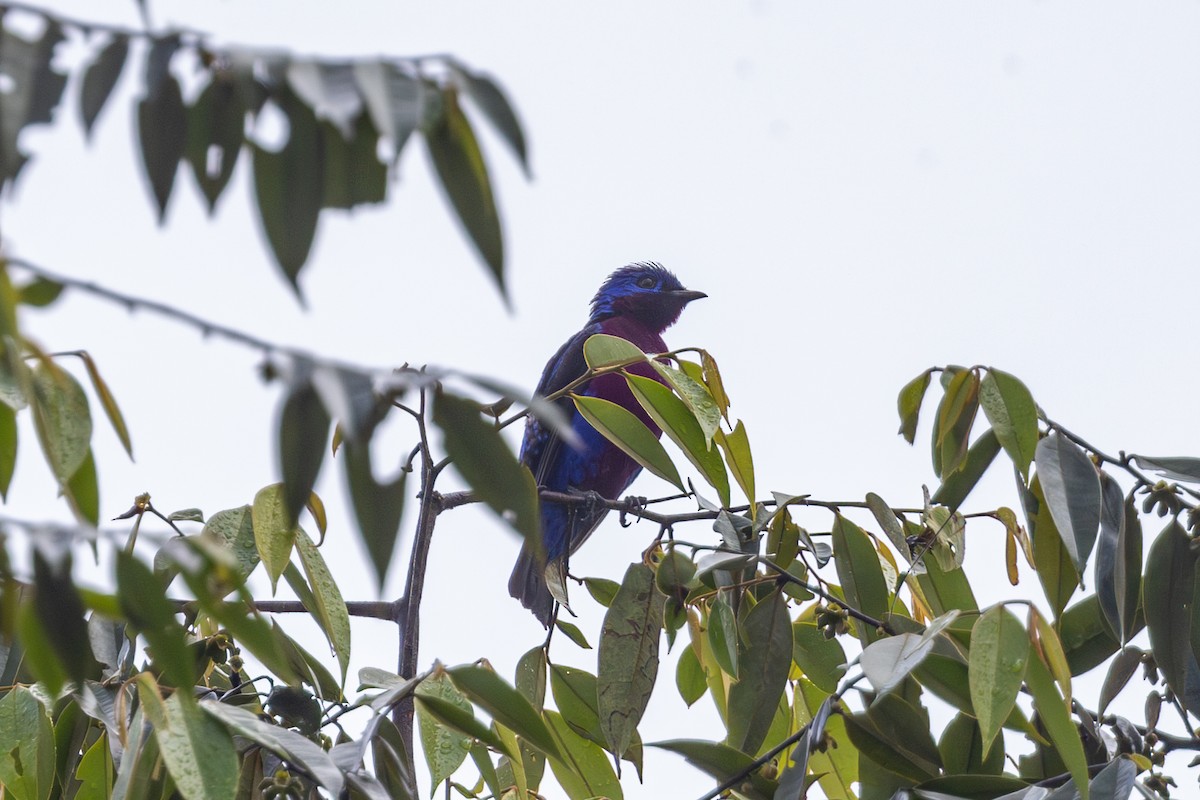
(27, 757)
(1085, 638)
(1010, 409)
(460, 166)
(234, 529)
(963, 752)
(576, 696)
(83, 491)
(95, 771)
(484, 459)
(303, 432)
(1118, 559)
(354, 175)
(1174, 638)
(946, 590)
(505, 704)
(602, 590)
(100, 78)
(628, 656)
(823, 661)
(1051, 558)
(531, 677)
(1120, 670)
(162, 131)
(330, 609)
(1173, 468)
(1055, 714)
(273, 535)
(491, 100)
(285, 743)
(39, 292)
(909, 405)
(445, 749)
(62, 419)
(573, 633)
(150, 612)
(957, 485)
(722, 762)
(859, 573)
(329, 89)
(674, 573)
(197, 749)
(723, 634)
(766, 636)
(289, 185)
(996, 669)
(8, 448)
(377, 506)
(694, 395)
(955, 416)
(1072, 490)
(674, 417)
(626, 431)
(894, 736)
(33, 89)
(584, 771)
(215, 133)
(60, 611)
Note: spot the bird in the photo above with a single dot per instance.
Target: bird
(637, 302)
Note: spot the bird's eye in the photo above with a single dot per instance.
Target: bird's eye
(646, 283)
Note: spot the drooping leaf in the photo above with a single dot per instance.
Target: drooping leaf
(1055, 569)
(1167, 601)
(100, 78)
(304, 425)
(1085, 637)
(62, 419)
(491, 100)
(273, 535)
(215, 132)
(285, 743)
(83, 491)
(676, 420)
(1109, 549)
(723, 634)
(464, 177)
(1056, 717)
(445, 749)
(60, 612)
(1048, 646)
(626, 431)
(1010, 409)
(354, 175)
(27, 758)
(576, 696)
(32, 91)
(107, 401)
(736, 446)
(891, 734)
(628, 656)
(909, 405)
(505, 704)
(823, 661)
(151, 613)
(996, 668)
(766, 656)
(330, 611)
(695, 396)
(329, 89)
(584, 771)
(8, 448)
(1173, 468)
(197, 749)
(722, 762)
(957, 485)
(394, 99)
(483, 458)
(859, 573)
(1072, 489)
(963, 750)
(289, 185)
(689, 677)
(162, 131)
(1120, 670)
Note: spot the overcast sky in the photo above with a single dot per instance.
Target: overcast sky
(863, 191)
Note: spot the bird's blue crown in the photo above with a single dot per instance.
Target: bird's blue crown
(642, 286)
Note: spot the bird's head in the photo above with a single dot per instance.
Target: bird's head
(644, 291)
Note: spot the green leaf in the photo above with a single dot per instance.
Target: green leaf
(284, 743)
(149, 611)
(303, 431)
(273, 535)
(39, 292)
(723, 634)
(62, 419)
(602, 590)
(234, 529)
(996, 668)
(197, 749)
(162, 130)
(1056, 717)
(628, 432)
(83, 491)
(107, 402)
(823, 661)
(1051, 558)
(330, 612)
(677, 421)
(1174, 638)
(583, 771)
(895, 735)
(8, 448)
(689, 677)
(766, 635)
(328, 89)
(483, 458)
(34, 88)
(394, 99)
(60, 613)
(957, 485)
(695, 396)
(1013, 415)
(722, 762)
(445, 749)
(628, 656)
(1085, 638)
(603, 350)
(100, 78)
(1071, 486)
(573, 633)
(576, 696)
(460, 166)
(289, 186)
(909, 405)
(859, 573)
(1173, 468)
(1118, 559)
(1120, 670)
(95, 771)
(216, 130)
(963, 750)
(491, 100)
(354, 175)
(505, 704)
(955, 416)
(378, 507)
(736, 446)
(946, 590)
(27, 756)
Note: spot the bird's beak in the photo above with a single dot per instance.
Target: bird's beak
(688, 295)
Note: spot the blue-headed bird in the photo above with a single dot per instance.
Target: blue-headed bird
(637, 302)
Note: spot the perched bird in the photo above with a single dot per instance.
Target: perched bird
(637, 302)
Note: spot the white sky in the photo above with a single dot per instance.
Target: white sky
(863, 192)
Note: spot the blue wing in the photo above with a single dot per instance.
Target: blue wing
(541, 446)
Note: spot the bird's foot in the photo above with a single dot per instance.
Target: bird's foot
(633, 504)
(593, 501)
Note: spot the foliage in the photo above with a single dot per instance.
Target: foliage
(824, 632)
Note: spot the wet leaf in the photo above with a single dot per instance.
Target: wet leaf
(996, 668)
(62, 419)
(955, 416)
(274, 537)
(330, 611)
(1072, 490)
(197, 749)
(445, 749)
(628, 656)
(1010, 409)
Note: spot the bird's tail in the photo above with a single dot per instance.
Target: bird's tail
(528, 584)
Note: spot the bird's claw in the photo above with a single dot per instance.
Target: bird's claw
(633, 504)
